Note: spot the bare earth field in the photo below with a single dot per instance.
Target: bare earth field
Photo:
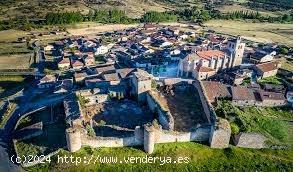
(89, 28)
(259, 32)
(236, 7)
(20, 61)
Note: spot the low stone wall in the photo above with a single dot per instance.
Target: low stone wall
(165, 118)
(29, 131)
(250, 140)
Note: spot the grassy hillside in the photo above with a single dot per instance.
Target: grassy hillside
(200, 158)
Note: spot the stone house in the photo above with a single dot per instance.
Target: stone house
(64, 64)
(48, 81)
(79, 77)
(268, 69)
(262, 56)
(76, 64)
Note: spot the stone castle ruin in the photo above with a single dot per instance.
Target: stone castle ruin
(160, 117)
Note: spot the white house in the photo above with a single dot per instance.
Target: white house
(49, 48)
(102, 50)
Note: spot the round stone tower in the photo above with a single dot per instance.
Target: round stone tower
(73, 139)
(149, 139)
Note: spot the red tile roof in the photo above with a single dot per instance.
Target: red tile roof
(266, 67)
(242, 93)
(211, 53)
(215, 90)
(204, 69)
(64, 61)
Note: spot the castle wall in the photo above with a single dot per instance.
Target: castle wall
(73, 139)
(208, 110)
(165, 118)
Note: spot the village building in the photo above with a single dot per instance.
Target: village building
(64, 64)
(76, 64)
(48, 81)
(203, 64)
(262, 56)
(268, 69)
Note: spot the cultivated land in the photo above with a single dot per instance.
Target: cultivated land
(19, 61)
(259, 32)
(202, 158)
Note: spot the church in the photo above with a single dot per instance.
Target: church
(204, 64)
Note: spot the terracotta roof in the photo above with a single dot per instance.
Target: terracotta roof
(242, 93)
(48, 78)
(211, 54)
(105, 69)
(266, 67)
(80, 75)
(271, 96)
(64, 61)
(215, 90)
(204, 69)
(191, 57)
(111, 77)
(76, 63)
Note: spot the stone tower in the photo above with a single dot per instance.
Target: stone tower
(73, 139)
(236, 49)
(141, 83)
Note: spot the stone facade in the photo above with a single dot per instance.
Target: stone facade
(220, 134)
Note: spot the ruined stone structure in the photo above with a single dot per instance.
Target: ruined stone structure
(220, 134)
(73, 139)
(250, 140)
(141, 83)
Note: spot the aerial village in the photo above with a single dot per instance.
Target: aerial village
(158, 84)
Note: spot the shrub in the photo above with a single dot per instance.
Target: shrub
(234, 128)
(90, 131)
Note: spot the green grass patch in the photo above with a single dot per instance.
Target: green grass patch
(271, 80)
(52, 139)
(272, 122)
(4, 115)
(200, 158)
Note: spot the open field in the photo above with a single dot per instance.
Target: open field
(19, 61)
(260, 32)
(31, 8)
(11, 35)
(89, 28)
(236, 7)
(199, 158)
